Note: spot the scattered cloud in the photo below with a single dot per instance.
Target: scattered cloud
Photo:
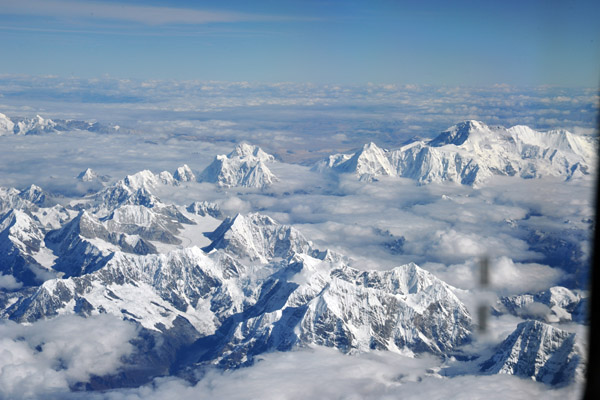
(9, 282)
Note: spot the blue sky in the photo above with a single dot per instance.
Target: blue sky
(346, 42)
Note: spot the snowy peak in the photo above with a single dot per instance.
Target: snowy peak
(83, 225)
(137, 189)
(29, 199)
(369, 162)
(460, 133)
(257, 176)
(538, 351)
(35, 195)
(350, 306)
(88, 175)
(257, 237)
(184, 174)
(308, 301)
(133, 190)
(160, 223)
(152, 290)
(245, 166)
(35, 125)
(141, 180)
(244, 150)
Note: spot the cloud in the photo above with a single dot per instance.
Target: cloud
(9, 282)
(327, 374)
(506, 276)
(151, 15)
(453, 245)
(49, 356)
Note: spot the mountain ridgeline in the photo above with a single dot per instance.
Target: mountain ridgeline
(471, 153)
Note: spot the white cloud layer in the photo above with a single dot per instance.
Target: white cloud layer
(506, 276)
(327, 374)
(46, 357)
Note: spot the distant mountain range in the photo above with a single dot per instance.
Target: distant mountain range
(38, 125)
(470, 153)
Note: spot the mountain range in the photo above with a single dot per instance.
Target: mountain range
(470, 153)
(38, 125)
(209, 289)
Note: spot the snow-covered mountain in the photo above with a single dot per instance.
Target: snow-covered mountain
(38, 125)
(470, 153)
(203, 290)
(138, 189)
(258, 286)
(89, 175)
(184, 174)
(245, 166)
(239, 311)
(538, 351)
(27, 199)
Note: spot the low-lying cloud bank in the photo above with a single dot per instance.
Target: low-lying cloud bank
(44, 359)
(327, 374)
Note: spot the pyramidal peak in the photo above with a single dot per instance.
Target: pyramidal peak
(371, 161)
(88, 175)
(368, 163)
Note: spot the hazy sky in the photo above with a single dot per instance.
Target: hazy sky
(436, 42)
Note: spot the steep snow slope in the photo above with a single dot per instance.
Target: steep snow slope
(258, 237)
(22, 250)
(538, 351)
